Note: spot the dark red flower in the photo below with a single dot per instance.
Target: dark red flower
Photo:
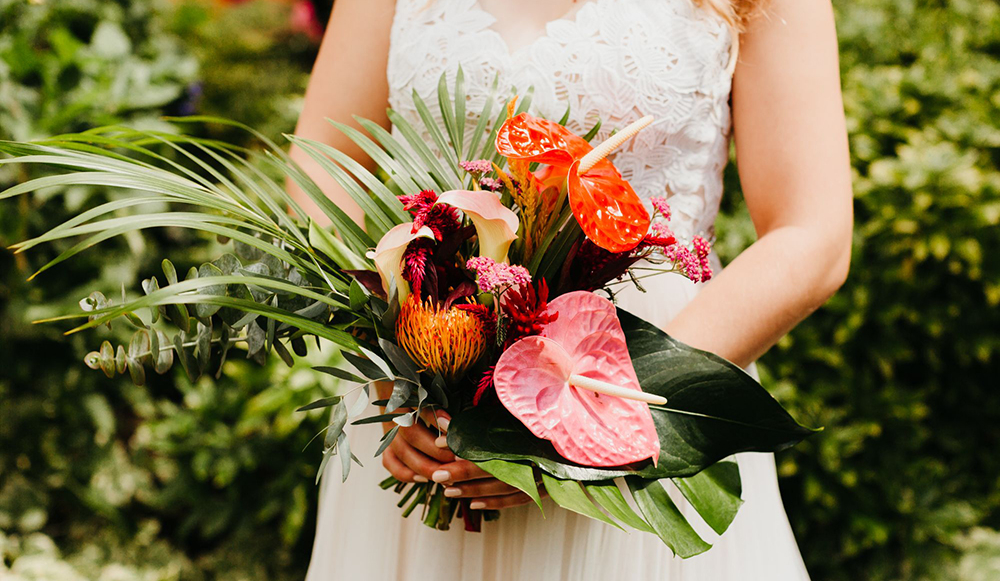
(527, 311)
(415, 262)
(442, 219)
(484, 314)
(484, 385)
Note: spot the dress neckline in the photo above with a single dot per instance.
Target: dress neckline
(570, 17)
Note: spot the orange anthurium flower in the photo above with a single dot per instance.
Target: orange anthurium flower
(607, 208)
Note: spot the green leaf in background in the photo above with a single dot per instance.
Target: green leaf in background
(339, 253)
(358, 296)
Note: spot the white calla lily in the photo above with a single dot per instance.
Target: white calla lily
(388, 255)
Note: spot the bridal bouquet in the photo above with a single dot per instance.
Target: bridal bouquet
(481, 283)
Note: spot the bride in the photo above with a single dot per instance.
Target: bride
(762, 71)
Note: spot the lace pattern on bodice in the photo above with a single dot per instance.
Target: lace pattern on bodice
(616, 60)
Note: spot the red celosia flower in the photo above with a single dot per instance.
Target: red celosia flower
(415, 262)
(527, 311)
(485, 314)
(442, 219)
(484, 386)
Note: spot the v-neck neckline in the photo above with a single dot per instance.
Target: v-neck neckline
(571, 16)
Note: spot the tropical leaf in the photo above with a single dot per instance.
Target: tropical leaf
(714, 409)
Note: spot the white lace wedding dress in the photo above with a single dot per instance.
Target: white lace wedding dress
(616, 60)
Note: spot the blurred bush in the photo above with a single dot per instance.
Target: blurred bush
(902, 365)
(100, 479)
(255, 56)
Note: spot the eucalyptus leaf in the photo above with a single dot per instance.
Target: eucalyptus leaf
(400, 360)
(364, 366)
(358, 296)
(344, 450)
(401, 391)
(386, 440)
(321, 403)
(203, 311)
(337, 422)
(340, 374)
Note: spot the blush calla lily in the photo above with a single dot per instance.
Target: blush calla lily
(388, 255)
(496, 225)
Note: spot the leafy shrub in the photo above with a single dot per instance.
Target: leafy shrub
(98, 478)
(902, 365)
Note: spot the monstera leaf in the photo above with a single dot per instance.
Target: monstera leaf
(714, 409)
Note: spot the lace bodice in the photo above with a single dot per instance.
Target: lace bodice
(616, 60)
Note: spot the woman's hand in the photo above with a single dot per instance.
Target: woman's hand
(418, 454)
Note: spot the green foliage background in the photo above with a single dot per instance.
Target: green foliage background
(99, 479)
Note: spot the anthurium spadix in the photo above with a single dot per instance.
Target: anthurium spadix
(538, 379)
(388, 255)
(496, 225)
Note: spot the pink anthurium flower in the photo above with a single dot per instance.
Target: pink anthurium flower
(388, 255)
(532, 380)
(496, 225)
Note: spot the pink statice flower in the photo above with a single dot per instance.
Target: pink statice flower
(694, 264)
(495, 277)
(661, 207)
(479, 166)
(702, 249)
(490, 184)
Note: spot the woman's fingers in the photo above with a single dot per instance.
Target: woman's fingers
(398, 470)
(499, 502)
(436, 418)
(414, 459)
(477, 488)
(425, 440)
(459, 471)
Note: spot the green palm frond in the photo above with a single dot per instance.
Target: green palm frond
(287, 278)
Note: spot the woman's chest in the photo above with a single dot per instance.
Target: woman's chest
(619, 59)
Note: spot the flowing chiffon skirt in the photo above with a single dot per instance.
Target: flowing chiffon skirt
(361, 535)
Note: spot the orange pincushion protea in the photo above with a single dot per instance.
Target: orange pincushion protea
(445, 341)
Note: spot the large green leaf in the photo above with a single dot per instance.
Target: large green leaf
(714, 493)
(666, 519)
(611, 498)
(520, 476)
(714, 409)
(569, 494)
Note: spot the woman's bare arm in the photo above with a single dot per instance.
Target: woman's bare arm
(348, 79)
(791, 146)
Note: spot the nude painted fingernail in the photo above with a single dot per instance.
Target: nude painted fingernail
(441, 442)
(452, 492)
(419, 478)
(443, 423)
(477, 505)
(441, 476)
